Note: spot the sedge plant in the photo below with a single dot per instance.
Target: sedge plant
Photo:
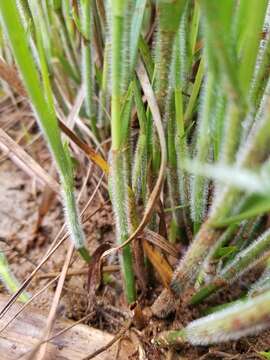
(193, 74)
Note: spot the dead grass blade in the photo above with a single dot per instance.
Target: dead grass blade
(71, 119)
(46, 200)
(95, 274)
(90, 152)
(158, 240)
(117, 337)
(61, 332)
(84, 271)
(26, 162)
(53, 311)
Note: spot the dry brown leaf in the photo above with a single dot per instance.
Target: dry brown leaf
(94, 273)
(161, 242)
(162, 267)
(96, 158)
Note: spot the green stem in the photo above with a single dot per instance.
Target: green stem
(242, 262)
(251, 41)
(200, 184)
(181, 146)
(194, 93)
(9, 280)
(117, 38)
(232, 133)
(103, 95)
(72, 217)
(169, 16)
(177, 145)
(139, 173)
(173, 187)
(194, 27)
(260, 79)
(87, 76)
(68, 33)
(262, 284)
(118, 182)
(241, 319)
(246, 258)
(119, 177)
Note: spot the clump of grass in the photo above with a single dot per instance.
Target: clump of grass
(199, 67)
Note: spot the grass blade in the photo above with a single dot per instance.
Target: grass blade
(11, 21)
